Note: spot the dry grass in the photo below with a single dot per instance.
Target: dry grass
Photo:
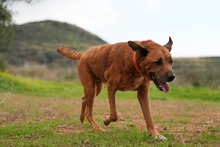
(39, 71)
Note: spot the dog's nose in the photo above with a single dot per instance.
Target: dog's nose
(170, 76)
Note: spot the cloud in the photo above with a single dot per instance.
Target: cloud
(95, 13)
(86, 13)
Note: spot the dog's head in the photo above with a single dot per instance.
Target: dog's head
(155, 62)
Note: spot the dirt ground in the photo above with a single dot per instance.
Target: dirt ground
(184, 118)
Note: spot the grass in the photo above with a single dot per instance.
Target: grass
(39, 88)
(45, 113)
(45, 134)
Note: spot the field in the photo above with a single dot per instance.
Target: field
(43, 113)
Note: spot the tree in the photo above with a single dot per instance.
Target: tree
(6, 19)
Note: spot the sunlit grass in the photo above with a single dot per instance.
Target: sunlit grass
(39, 88)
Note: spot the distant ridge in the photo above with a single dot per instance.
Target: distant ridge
(37, 42)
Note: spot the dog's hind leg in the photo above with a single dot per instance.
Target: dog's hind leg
(83, 108)
(90, 96)
(88, 81)
(98, 87)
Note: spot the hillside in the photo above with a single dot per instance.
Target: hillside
(37, 42)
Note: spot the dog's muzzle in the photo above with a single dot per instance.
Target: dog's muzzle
(161, 82)
(170, 76)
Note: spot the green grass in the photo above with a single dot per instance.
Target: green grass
(39, 88)
(190, 92)
(45, 134)
(42, 134)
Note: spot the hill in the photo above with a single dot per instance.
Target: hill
(37, 42)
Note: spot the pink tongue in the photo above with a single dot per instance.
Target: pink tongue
(164, 86)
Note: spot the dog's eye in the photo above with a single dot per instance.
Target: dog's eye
(159, 62)
(170, 61)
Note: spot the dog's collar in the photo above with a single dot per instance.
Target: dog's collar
(135, 63)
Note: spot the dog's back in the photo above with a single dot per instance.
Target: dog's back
(103, 60)
(106, 60)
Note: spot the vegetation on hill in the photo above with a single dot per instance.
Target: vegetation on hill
(199, 72)
(37, 42)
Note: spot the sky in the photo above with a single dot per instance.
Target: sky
(193, 25)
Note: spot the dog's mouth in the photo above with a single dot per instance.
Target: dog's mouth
(161, 85)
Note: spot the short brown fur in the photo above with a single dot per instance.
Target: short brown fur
(112, 65)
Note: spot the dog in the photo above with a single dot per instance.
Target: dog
(123, 66)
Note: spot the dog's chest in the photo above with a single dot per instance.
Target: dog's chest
(132, 85)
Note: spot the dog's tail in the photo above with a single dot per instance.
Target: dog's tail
(69, 53)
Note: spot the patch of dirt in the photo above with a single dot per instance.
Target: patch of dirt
(185, 119)
(69, 129)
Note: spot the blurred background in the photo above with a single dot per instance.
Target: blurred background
(31, 30)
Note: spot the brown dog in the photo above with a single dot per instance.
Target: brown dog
(123, 66)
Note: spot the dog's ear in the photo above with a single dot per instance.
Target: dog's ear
(142, 51)
(169, 44)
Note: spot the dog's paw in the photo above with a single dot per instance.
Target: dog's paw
(160, 137)
(99, 129)
(106, 121)
(82, 119)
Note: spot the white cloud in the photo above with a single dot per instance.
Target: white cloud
(86, 13)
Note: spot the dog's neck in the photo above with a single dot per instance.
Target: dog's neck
(135, 62)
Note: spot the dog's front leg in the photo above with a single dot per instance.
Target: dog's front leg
(112, 117)
(144, 100)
